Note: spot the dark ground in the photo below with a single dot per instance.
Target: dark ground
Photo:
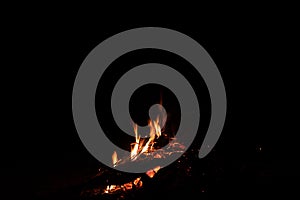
(256, 156)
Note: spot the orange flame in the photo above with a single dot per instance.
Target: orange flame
(142, 145)
(154, 133)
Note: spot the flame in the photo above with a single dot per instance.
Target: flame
(154, 133)
(114, 158)
(134, 150)
(145, 146)
(140, 146)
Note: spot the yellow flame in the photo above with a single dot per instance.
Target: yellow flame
(134, 150)
(141, 146)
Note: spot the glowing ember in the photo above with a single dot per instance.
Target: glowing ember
(111, 189)
(152, 172)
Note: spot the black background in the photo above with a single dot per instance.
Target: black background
(257, 151)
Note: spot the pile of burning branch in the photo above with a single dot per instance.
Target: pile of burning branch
(115, 185)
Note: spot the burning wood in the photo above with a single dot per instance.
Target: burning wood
(141, 150)
(152, 172)
(110, 189)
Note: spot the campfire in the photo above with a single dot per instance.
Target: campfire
(142, 150)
